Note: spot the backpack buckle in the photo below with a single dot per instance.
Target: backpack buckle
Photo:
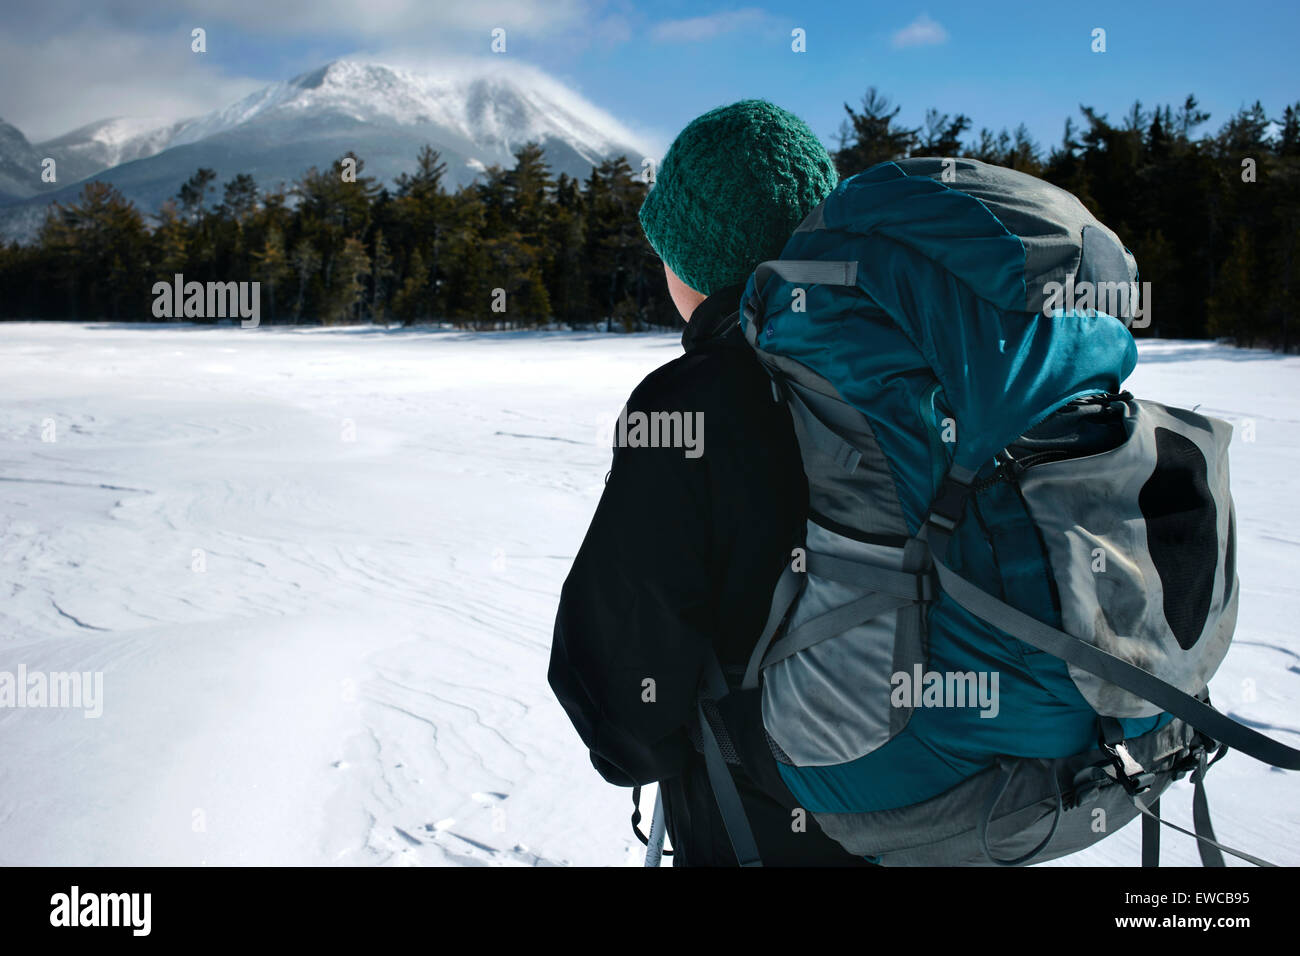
(949, 504)
(1128, 771)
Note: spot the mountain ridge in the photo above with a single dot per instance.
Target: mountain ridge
(476, 115)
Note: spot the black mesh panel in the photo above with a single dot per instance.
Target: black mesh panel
(1182, 533)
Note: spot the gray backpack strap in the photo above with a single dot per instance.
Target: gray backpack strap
(1151, 835)
(1205, 839)
(720, 780)
(806, 272)
(1108, 667)
(796, 272)
(911, 585)
(833, 622)
(1210, 849)
(787, 589)
(1228, 733)
(890, 591)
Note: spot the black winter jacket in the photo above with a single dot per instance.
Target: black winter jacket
(682, 555)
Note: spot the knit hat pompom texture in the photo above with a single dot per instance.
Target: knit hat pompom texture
(731, 190)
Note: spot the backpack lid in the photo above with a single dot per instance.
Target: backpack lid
(961, 257)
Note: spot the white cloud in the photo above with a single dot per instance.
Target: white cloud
(694, 29)
(390, 19)
(76, 77)
(62, 65)
(920, 32)
(563, 91)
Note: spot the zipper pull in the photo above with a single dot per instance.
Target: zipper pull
(1008, 468)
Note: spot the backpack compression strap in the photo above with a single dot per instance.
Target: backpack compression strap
(721, 782)
(1199, 714)
(1210, 849)
(1108, 667)
(946, 513)
(937, 531)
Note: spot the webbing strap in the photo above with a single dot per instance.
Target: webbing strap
(1151, 836)
(787, 589)
(720, 780)
(797, 272)
(1201, 838)
(914, 585)
(1108, 667)
(1210, 855)
(806, 272)
(890, 589)
(833, 622)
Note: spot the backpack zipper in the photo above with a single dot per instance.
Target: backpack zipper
(1010, 469)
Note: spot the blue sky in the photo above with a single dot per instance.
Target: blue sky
(1000, 63)
(656, 66)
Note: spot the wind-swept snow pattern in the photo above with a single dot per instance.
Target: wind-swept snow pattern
(317, 571)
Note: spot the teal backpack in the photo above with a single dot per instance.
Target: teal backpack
(993, 644)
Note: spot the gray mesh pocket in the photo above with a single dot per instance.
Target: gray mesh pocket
(829, 703)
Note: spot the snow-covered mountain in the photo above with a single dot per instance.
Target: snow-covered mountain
(476, 113)
(107, 143)
(488, 110)
(20, 164)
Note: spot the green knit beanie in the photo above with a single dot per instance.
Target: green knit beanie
(731, 190)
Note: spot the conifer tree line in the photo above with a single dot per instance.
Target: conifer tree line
(1211, 217)
(336, 247)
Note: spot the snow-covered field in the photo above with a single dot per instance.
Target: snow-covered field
(318, 570)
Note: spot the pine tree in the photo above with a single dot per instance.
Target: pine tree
(942, 136)
(305, 261)
(346, 294)
(410, 302)
(872, 136)
(1235, 303)
(381, 269)
(423, 212)
(101, 245)
(271, 266)
(194, 193)
(171, 241)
